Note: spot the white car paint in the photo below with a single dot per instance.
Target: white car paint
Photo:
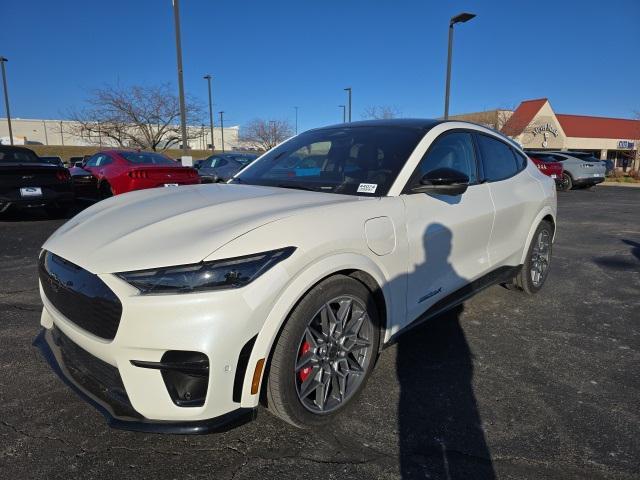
(418, 248)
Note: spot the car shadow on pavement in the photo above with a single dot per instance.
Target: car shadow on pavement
(440, 430)
(635, 248)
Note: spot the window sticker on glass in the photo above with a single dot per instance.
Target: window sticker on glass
(367, 187)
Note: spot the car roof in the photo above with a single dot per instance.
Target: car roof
(9, 148)
(422, 123)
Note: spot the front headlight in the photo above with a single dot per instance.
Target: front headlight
(215, 275)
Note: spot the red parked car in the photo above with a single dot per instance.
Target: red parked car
(120, 171)
(549, 166)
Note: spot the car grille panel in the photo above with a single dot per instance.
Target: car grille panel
(94, 376)
(80, 296)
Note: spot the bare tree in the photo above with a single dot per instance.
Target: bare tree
(377, 112)
(266, 134)
(140, 116)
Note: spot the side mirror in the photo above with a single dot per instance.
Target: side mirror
(443, 181)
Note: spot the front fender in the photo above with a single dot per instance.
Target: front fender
(292, 293)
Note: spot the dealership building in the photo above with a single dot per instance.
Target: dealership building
(536, 126)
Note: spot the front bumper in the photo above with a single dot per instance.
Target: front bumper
(112, 401)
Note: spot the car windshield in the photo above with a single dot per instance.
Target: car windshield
(356, 160)
(18, 155)
(147, 158)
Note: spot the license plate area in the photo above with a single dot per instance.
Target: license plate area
(30, 192)
(170, 184)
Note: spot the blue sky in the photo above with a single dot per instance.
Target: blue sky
(267, 56)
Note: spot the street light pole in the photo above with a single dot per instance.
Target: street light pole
(344, 113)
(46, 137)
(6, 97)
(183, 120)
(208, 77)
(222, 129)
(296, 119)
(461, 18)
(348, 89)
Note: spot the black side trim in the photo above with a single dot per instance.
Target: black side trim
(241, 369)
(499, 275)
(222, 423)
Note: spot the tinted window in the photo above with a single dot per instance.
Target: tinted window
(18, 155)
(147, 158)
(360, 160)
(453, 150)
(498, 159)
(93, 161)
(218, 162)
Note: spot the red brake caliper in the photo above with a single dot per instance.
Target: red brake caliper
(305, 372)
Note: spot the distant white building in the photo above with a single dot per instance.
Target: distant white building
(57, 132)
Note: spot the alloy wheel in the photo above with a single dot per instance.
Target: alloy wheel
(540, 257)
(334, 354)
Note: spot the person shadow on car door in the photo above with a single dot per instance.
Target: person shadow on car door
(440, 430)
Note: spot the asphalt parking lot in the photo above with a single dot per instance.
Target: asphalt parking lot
(507, 386)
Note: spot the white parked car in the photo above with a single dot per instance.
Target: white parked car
(177, 309)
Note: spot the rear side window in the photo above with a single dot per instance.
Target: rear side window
(498, 159)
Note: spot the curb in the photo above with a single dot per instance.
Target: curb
(620, 184)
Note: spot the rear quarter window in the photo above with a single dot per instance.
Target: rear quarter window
(499, 160)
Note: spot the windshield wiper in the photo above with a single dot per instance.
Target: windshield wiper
(297, 187)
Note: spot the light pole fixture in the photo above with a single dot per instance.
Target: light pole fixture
(222, 129)
(348, 89)
(3, 60)
(183, 120)
(296, 109)
(344, 113)
(208, 78)
(460, 18)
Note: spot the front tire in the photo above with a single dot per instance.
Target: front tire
(324, 354)
(535, 270)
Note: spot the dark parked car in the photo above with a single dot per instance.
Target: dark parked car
(27, 181)
(221, 167)
(85, 185)
(53, 161)
(76, 161)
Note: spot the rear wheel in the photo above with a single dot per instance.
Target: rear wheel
(535, 270)
(566, 183)
(324, 354)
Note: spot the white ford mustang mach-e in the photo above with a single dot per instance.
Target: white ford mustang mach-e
(178, 309)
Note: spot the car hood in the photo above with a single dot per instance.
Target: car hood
(175, 225)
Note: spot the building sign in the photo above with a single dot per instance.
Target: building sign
(545, 130)
(547, 127)
(626, 144)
